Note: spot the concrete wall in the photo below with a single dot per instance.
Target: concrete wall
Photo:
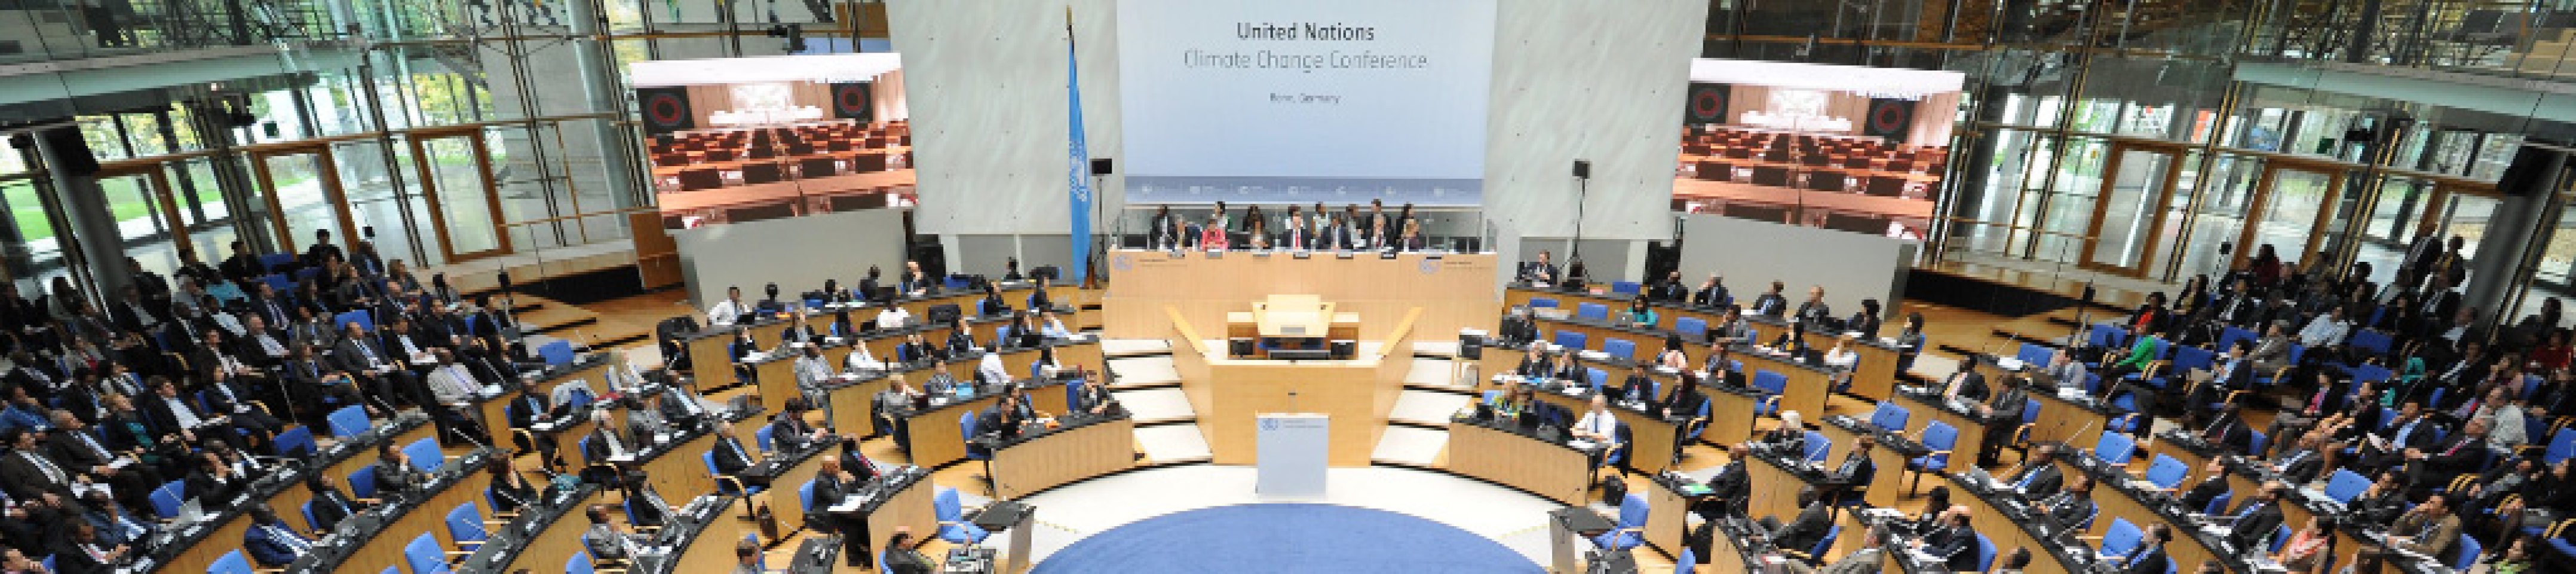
(797, 253)
(1751, 254)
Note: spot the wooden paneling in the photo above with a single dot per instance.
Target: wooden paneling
(1546, 469)
(1069, 456)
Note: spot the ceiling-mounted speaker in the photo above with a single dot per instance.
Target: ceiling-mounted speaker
(1583, 168)
(1102, 166)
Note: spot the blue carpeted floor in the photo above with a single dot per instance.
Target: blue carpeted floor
(1285, 538)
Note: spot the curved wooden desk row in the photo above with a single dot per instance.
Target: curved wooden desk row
(1730, 411)
(1872, 377)
(934, 433)
(1557, 471)
(850, 399)
(709, 346)
(495, 410)
(381, 534)
(1085, 447)
(776, 375)
(1806, 385)
(285, 496)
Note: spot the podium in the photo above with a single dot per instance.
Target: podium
(1294, 450)
(1290, 327)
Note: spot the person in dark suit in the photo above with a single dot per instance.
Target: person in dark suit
(1802, 533)
(2227, 431)
(731, 458)
(1636, 388)
(328, 504)
(2257, 516)
(2457, 454)
(789, 432)
(511, 490)
(243, 266)
(1965, 384)
(2070, 507)
(831, 486)
(1711, 293)
(2412, 429)
(2039, 471)
(2213, 482)
(2303, 462)
(2002, 414)
(395, 471)
(215, 483)
(1731, 486)
(72, 445)
(270, 542)
(1952, 541)
(2149, 557)
(1771, 302)
(27, 473)
(1854, 474)
(81, 552)
(1542, 270)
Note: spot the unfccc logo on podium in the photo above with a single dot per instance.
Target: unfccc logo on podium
(1123, 262)
(1269, 424)
(1428, 266)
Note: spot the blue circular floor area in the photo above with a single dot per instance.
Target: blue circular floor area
(1285, 538)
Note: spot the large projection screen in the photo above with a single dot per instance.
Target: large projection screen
(1322, 100)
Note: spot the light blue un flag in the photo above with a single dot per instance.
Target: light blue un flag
(1077, 168)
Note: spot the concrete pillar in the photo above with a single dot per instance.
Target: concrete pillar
(601, 91)
(2512, 232)
(84, 205)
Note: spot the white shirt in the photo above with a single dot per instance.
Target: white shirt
(861, 359)
(2324, 331)
(893, 317)
(724, 312)
(1599, 422)
(1054, 329)
(992, 368)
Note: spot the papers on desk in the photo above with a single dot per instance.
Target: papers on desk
(847, 505)
(490, 390)
(661, 438)
(2009, 363)
(423, 359)
(1593, 355)
(543, 426)
(622, 457)
(1580, 444)
(832, 340)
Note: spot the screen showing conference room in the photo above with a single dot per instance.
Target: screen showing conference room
(1289, 102)
(734, 140)
(1843, 147)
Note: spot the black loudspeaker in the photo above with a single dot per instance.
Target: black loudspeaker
(1238, 347)
(1582, 168)
(1471, 347)
(72, 152)
(665, 110)
(1344, 349)
(2528, 173)
(1706, 104)
(853, 101)
(1102, 166)
(1889, 119)
(21, 140)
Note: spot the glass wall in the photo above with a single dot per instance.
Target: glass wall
(452, 132)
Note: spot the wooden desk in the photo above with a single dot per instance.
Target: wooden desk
(1972, 432)
(1549, 470)
(909, 509)
(1667, 518)
(385, 549)
(1453, 291)
(2000, 528)
(1651, 438)
(2067, 422)
(712, 549)
(781, 497)
(1774, 491)
(936, 438)
(1873, 376)
(339, 472)
(1804, 391)
(1888, 464)
(679, 474)
(558, 542)
(2116, 503)
(710, 358)
(1064, 456)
